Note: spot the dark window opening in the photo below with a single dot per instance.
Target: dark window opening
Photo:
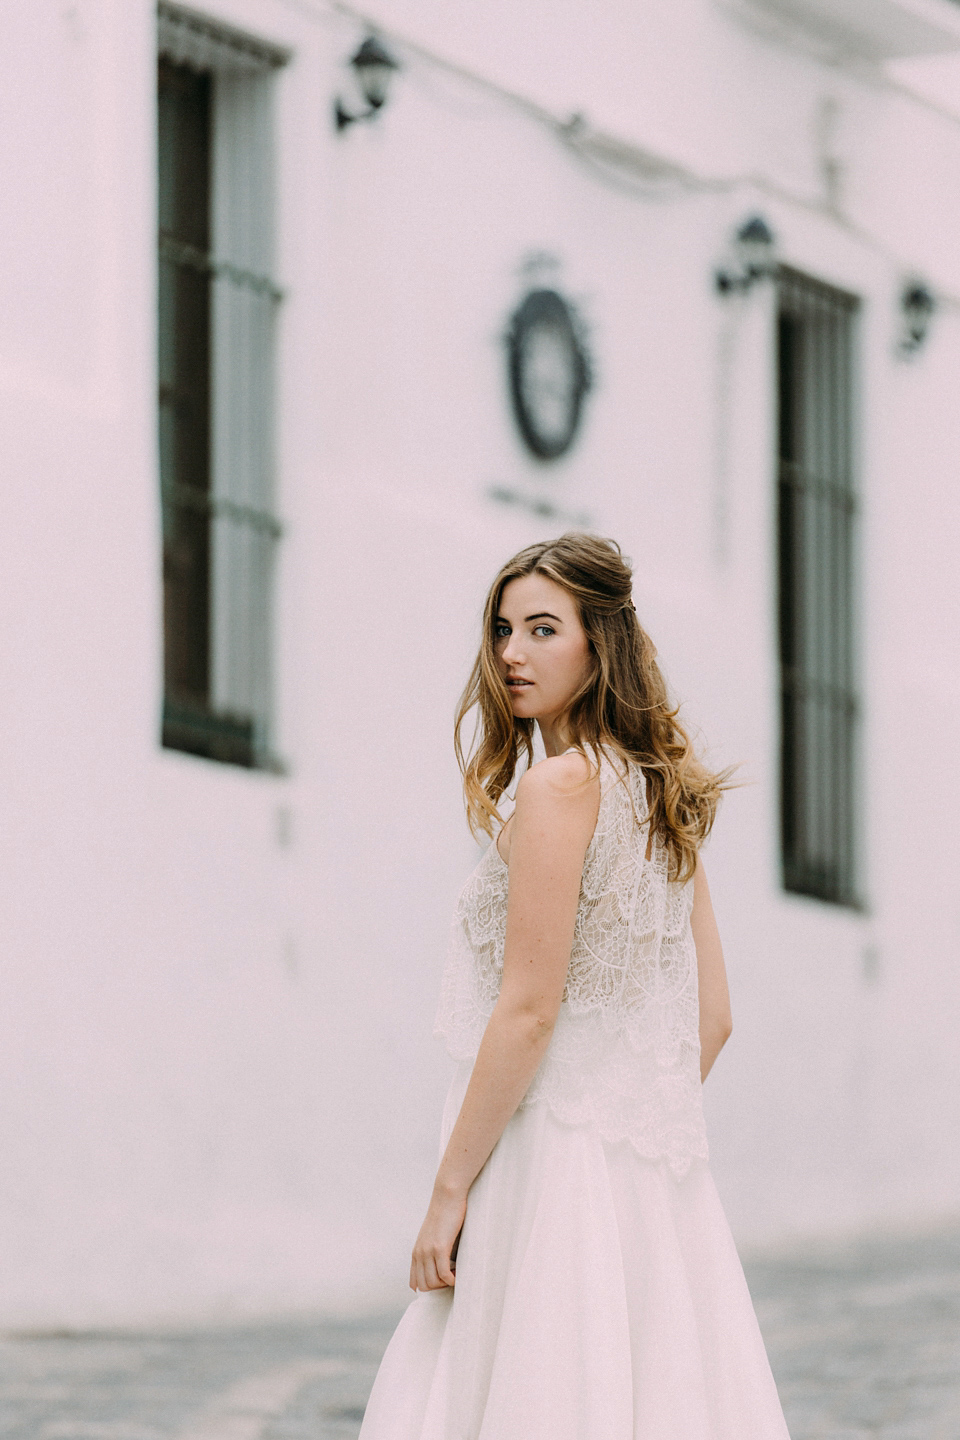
(216, 333)
(816, 517)
(185, 196)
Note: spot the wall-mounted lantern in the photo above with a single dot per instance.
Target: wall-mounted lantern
(373, 66)
(917, 306)
(755, 256)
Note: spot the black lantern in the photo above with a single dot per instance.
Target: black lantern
(374, 67)
(917, 305)
(755, 250)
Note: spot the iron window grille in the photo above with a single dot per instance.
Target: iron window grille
(216, 321)
(817, 515)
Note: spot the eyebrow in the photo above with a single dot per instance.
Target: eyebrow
(540, 615)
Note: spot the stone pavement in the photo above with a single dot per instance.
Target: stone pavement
(864, 1341)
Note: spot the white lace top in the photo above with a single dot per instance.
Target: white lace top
(625, 1053)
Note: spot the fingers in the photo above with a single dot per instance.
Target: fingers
(445, 1272)
(431, 1270)
(444, 1265)
(431, 1280)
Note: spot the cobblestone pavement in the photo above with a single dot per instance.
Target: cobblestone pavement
(864, 1341)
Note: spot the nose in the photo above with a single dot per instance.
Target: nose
(512, 652)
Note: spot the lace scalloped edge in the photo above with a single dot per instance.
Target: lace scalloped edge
(682, 1144)
(678, 1158)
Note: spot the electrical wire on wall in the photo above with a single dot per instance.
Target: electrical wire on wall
(620, 164)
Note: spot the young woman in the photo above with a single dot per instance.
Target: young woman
(576, 1277)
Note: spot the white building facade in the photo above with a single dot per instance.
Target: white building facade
(257, 481)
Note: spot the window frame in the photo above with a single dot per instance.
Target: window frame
(221, 639)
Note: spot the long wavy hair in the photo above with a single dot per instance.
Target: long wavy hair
(623, 707)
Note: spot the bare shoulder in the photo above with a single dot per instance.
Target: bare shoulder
(558, 801)
(566, 780)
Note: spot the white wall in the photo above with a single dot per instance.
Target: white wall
(220, 1093)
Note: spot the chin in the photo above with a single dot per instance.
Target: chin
(522, 707)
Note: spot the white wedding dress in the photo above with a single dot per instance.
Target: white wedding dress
(599, 1295)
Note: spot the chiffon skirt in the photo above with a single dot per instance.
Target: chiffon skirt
(598, 1297)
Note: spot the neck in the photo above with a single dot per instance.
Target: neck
(554, 736)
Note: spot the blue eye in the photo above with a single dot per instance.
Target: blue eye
(544, 629)
(501, 631)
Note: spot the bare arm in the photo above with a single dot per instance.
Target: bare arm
(555, 816)
(716, 1022)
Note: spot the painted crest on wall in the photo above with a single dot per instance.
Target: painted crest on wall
(549, 372)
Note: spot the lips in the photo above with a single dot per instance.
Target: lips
(517, 684)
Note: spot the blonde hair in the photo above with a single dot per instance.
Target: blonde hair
(623, 707)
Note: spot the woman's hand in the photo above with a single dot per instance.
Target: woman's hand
(430, 1266)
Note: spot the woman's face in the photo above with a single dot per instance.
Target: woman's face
(542, 651)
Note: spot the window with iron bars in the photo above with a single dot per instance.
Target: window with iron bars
(817, 515)
(217, 310)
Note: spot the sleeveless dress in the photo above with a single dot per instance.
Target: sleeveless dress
(599, 1295)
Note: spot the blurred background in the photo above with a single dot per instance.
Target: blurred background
(308, 319)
